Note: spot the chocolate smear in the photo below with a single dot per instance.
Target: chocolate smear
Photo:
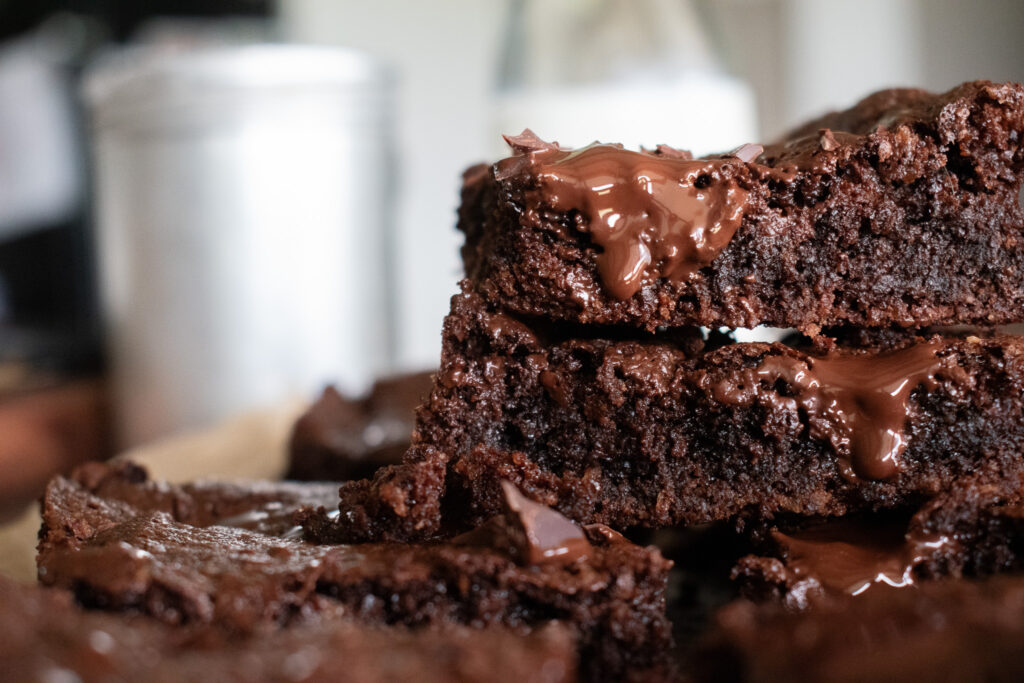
(859, 402)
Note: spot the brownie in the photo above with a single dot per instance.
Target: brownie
(341, 438)
(652, 433)
(47, 637)
(973, 531)
(902, 210)
(943, 631)
(262, 506)
(522, 568)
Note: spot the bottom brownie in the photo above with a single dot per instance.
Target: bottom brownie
(524, 568)
(44, 636)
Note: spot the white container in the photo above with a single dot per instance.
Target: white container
(242, 217)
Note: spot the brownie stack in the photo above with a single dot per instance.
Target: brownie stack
(574, 367)
(589, 358)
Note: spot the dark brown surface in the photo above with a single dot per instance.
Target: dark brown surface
(120, 556)
(905, 212)
(942, 631)
(649, 433)
(341, 438)
(46, 637)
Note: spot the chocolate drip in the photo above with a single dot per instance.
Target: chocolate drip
(654, 215)
(846, 557)
(532, 533)
(859, 402)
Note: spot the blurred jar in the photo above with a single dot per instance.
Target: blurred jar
(242, 204)
(639, 72)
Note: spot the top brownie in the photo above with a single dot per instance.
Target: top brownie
(901, 211)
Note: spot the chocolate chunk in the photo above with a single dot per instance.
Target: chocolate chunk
(748, 152)
(527, 142)
(530, 532)
(547, 536)
(850, 557)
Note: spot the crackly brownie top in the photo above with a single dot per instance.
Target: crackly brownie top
(663, 214)
(258, 506)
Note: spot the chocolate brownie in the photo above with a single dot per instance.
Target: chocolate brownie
(524, 567)
(341, 438)
(46, 637)
(942, 631)
(902, 210)
(972, 531)
(651, 433)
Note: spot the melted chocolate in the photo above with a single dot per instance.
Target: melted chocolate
(845, 557)
(654, 215)
(858, 402)
(532, 533)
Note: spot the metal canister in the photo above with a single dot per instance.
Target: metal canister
(242, 210)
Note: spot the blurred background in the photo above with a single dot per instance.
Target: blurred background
(210, 207)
